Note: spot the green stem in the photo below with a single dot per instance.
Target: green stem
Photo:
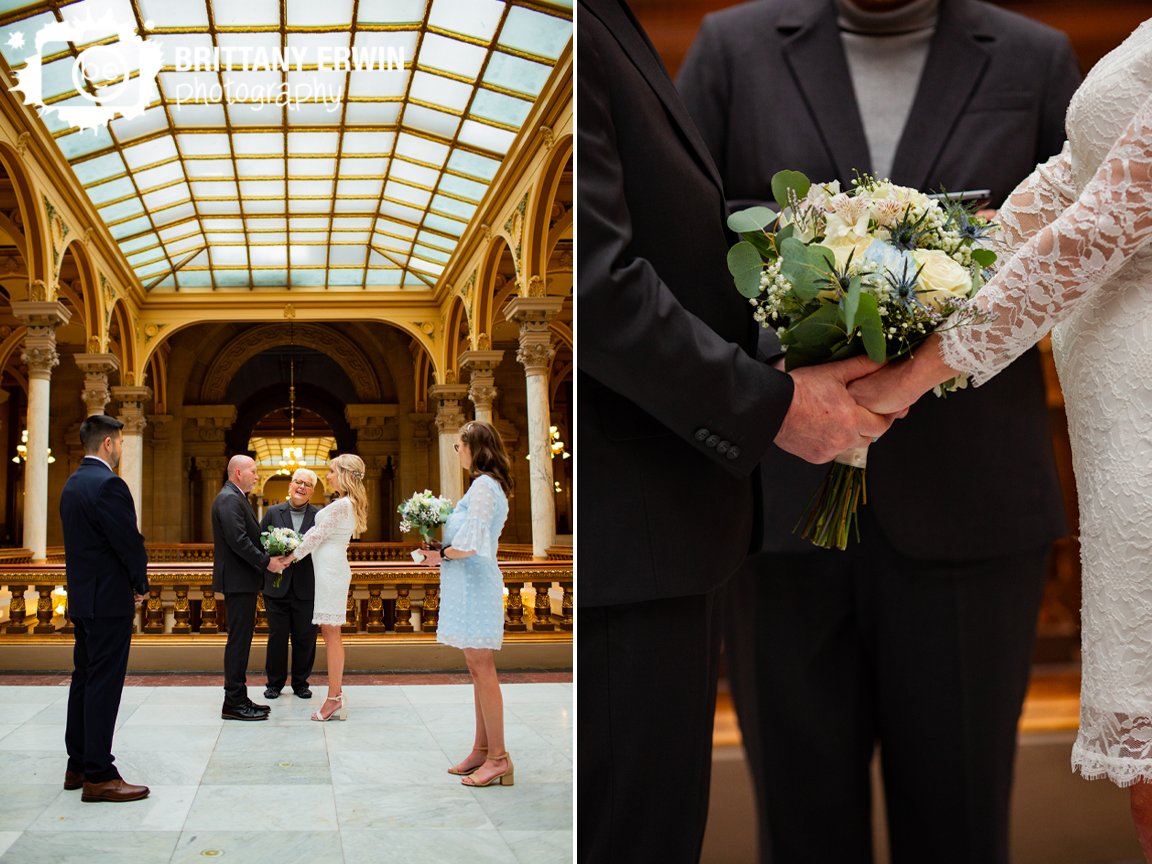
(831, 517)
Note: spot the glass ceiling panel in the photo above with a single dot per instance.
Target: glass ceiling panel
(338, 160)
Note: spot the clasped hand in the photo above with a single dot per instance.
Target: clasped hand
(279, 563)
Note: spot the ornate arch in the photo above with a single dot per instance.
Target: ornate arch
(541, 234)
(8, 349)
(453, 333)
(488, 286)
(89, 298)
(251, 342)
(34, 251)
(118, 311)
(158, 380)
(422, 376)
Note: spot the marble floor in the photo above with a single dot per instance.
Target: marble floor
(287, 790)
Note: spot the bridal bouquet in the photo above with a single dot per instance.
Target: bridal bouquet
(279, 541)
(423, 512)
(871, 270)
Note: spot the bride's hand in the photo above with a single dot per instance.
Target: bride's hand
(893, 388)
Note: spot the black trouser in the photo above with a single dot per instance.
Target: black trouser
(100, 661)
(241, 611)
(647, 699)
(831, 654)
(289, 616)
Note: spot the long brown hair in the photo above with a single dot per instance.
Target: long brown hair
(488, 453)
(349, 470)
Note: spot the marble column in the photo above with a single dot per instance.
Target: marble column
(415, 446)
(132, 401)
(535, 355)
(376, 434)
(449, 419)
(96, 368)
(204, 429)
(482, 385)
(42, 319)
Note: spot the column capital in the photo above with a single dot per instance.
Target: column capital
(520, 310)
(161, 426)
(208, 422)
(42, 318)
(449, 413)
(481, 361)
(132, 401)
(96, 367)
(368, 416)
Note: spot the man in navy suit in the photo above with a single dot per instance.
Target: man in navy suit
(107, 575)
(290, 605)
(238, 565)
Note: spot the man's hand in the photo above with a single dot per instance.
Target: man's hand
(824, 420)
(139, 598)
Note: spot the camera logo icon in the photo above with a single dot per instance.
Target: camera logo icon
(112, 79)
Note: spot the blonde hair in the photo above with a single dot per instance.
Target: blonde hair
(349, 470)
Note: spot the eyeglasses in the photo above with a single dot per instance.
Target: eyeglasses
(303, 483)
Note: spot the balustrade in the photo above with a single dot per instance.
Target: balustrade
(387, 597)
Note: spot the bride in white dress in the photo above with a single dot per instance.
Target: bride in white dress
(1077, 242)
(327, 543)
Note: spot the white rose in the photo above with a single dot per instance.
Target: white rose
(941, 278)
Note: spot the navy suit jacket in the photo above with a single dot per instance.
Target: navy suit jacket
(768, 84)
(301, 574)
(104, 555)
(675, 410)
(238, 559)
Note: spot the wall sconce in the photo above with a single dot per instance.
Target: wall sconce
(22, 450)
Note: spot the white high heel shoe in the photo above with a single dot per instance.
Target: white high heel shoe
(340, 712)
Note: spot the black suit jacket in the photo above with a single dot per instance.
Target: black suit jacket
(104, 555)
(301, 574)
(768, 83)
(675, 412)
(238, 559)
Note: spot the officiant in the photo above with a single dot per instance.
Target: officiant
(289, 604)
(917, 640)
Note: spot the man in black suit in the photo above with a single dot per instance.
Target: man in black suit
(290, 605)
(107, 573)
(675, 415)
(919, 638)
(238, 565)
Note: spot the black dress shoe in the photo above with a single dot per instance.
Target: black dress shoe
(302, 692)
(242, 712)
(271, 692)
(263, 709)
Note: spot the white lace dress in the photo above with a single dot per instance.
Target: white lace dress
(327, 543)
(1081, 231)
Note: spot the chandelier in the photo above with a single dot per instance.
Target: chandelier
(555, 445)
(292, 456)
(22, 450)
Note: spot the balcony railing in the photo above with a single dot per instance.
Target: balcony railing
(387, 596)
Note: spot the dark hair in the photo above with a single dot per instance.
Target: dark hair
(96, 428)
(488, 453)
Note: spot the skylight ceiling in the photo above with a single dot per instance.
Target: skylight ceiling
(300, 175)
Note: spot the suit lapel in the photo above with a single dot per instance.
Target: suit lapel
(815, 55)
(955, 65)
(626, 30)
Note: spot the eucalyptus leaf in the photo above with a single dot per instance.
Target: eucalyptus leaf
(783, 181)
(850, 304)
(751, 219)
(818, 333)
(745, 265)
(984, 257)
(785, 232)
(763, 243)
(806, 267)
(871, 328)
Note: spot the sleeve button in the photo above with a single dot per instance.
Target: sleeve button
(712, 441)
(702, 433)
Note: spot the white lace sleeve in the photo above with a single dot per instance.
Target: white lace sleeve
(1065, 261)
(322, 529)
(475, 533)
(1036, 202)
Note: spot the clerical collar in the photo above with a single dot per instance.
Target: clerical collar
(917, 15)
(303, 508)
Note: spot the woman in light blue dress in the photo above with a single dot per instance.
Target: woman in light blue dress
(472, 594)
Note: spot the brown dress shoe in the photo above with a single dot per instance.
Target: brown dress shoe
(113, 790)
(73, 780)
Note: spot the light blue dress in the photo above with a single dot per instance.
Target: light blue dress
(472, 588)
